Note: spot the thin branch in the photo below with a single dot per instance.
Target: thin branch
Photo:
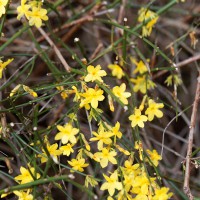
(178, 65)
(186, 187)
(63, 61)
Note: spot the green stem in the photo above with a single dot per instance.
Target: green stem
(16, 35)
(44, 181)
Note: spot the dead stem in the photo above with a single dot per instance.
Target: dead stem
(63, 61)
(186, 187)
(178, 65)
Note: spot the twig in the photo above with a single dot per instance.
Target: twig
(186, 187)
(63, 61)
(97, 50)
(65, 26)
(189, 60)
(76, 23)
(180, 64)
(99, 43)
(120, 31)
(122, 11)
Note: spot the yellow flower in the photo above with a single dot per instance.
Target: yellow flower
(92, 96)
(33, 12)
(139, 147)
(111, 183)
(14, 90)
(90, 180)
(72, 116)
(85, 142)
(35, 3)
(26, 176)
(78, 164)
(94, 73)
(67, 149)
(162, 194)
(116, 70)
(154, 157)
(153, 110)
(141, 107)
(144, 15)
(3, 4)
(140, 66)
(125, 152)
(141, 184)
(67, 133)
(26, 89)
(105, 156)
(103, 137)
(3, 65)
(23, 10)
(123, 195)
(53, 151)
(115, 130)
(29, 90)
(142, 84)
(173, 79)
(137, 119)
(77, 94)
(63, 93)
(129, 168)
(23, 195)
(37, 15)
(111, 105)
(142, 196)
(119, 91)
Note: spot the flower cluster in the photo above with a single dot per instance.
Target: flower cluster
(153, 110)
(130, 181)
(135, 183)
(149, 18)
(94, 112)
(142, 81)
(33, 12)
(116, 70)
(25, 88)
(27, 175)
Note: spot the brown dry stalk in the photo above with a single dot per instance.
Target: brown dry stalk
(47, 38)
(178, 65)
(76, 23)
(186, 187)
(122, 11)
(97, 50)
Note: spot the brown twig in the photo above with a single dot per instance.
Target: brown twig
(180, 64)
(99, 43)
(97, 50)
(186, 187)
(120, 19)
(63, 61)
(76, 23)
